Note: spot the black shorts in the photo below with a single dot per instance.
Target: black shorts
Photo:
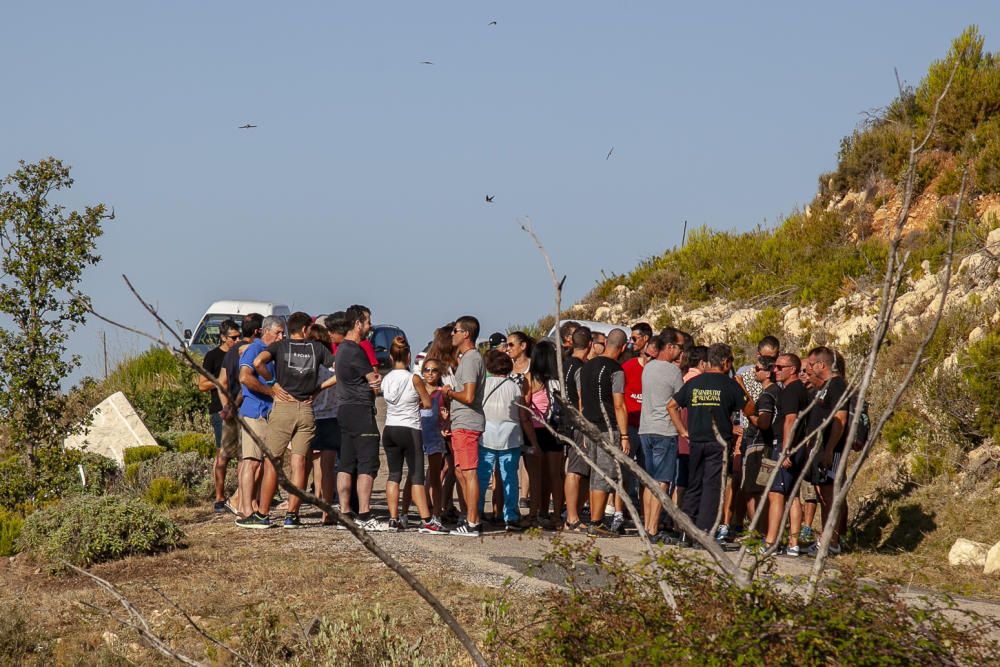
(327, 436)
(358, 440)
(547, 441)
(404, 444)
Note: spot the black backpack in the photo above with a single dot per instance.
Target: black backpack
(864, 423)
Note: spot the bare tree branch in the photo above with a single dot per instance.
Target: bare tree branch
(841, 485)
(359, 533)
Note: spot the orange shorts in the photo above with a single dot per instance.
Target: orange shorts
(465, 448)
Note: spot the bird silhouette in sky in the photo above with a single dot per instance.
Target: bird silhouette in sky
(608, 156)
(492, 23)
(426, 62)
(489, 199)
(247, 126)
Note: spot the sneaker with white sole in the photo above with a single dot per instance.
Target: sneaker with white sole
(373, 525)
(292, 521)
(618, 524)
(255, 520)
(722, 533)
(793, 551)
(395, 526)
(432, 527)
(465, 529)
(832, 550)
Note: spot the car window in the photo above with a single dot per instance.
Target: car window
(208, 332)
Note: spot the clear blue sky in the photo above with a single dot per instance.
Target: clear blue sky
(366, 176)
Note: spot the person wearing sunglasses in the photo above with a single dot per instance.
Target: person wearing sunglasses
(229, 334)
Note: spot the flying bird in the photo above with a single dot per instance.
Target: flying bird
(489, 199)
(492, 23)
(608, 156)
(426, 62)
(246, 127)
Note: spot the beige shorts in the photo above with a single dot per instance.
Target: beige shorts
(230, 443)
(290, 422)
(249, 448)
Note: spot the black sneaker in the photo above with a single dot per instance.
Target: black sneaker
(512, 527)
(395, 526)
(598, 530)
(255, 520)
(219, 507)
(465, 529)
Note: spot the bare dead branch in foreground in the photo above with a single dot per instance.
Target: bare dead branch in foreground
(359, 533)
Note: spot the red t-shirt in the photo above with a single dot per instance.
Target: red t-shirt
(633, 390)
(369, 349)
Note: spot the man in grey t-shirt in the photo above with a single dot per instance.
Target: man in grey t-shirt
(661, 379)
(467, 419)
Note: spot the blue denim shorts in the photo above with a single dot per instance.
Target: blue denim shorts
(659, 456)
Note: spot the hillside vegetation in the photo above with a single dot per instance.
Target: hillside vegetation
(813, 279)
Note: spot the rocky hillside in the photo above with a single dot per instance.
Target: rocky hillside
(814, 279)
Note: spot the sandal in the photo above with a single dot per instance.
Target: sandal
(575, 527)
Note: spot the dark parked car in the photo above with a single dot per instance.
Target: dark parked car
(381, 337)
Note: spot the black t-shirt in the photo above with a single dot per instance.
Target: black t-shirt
(572, 366)
(829, 395)
(794, 398)
(351, 369)
(766, 403)
(600, 379)
(296, 365)
(213, 364)
(710, 397)
(231, 362)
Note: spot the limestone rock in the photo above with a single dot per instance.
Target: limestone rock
(114, 427)
(967, 552)
(992, 563)
(602, 313)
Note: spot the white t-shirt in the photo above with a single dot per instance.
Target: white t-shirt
(503, 425)
(402, 402)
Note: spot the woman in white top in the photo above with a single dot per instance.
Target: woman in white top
(404, 395)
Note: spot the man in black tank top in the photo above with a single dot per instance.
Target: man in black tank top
(602, 392)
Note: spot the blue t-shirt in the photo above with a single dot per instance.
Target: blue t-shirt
(255, 405)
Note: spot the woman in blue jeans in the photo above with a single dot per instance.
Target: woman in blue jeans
(507, 428)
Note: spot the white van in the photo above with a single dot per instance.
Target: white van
(206, 335)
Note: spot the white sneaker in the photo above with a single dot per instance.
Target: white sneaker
(465, 530)
(373, 525)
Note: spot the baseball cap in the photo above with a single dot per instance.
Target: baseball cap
(497, 339)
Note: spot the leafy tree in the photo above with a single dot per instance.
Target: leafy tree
(43, 253)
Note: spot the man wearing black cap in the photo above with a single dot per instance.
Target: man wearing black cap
(498, 341)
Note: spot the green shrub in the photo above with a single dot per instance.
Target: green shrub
(197, 442)
(11, 524)
(190, 470)
(165, 492)
(86, 529)
(56, 474)
(167, 408)
(615, 613)
(898, 430)
(980, 365)
(877, 152)
(146, 452)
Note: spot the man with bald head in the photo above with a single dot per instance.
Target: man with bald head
(602, 396)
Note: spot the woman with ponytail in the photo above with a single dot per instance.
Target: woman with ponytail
(405, 394)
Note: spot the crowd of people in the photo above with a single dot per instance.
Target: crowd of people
(500, 419)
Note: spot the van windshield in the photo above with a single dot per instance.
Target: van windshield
(208, 331)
